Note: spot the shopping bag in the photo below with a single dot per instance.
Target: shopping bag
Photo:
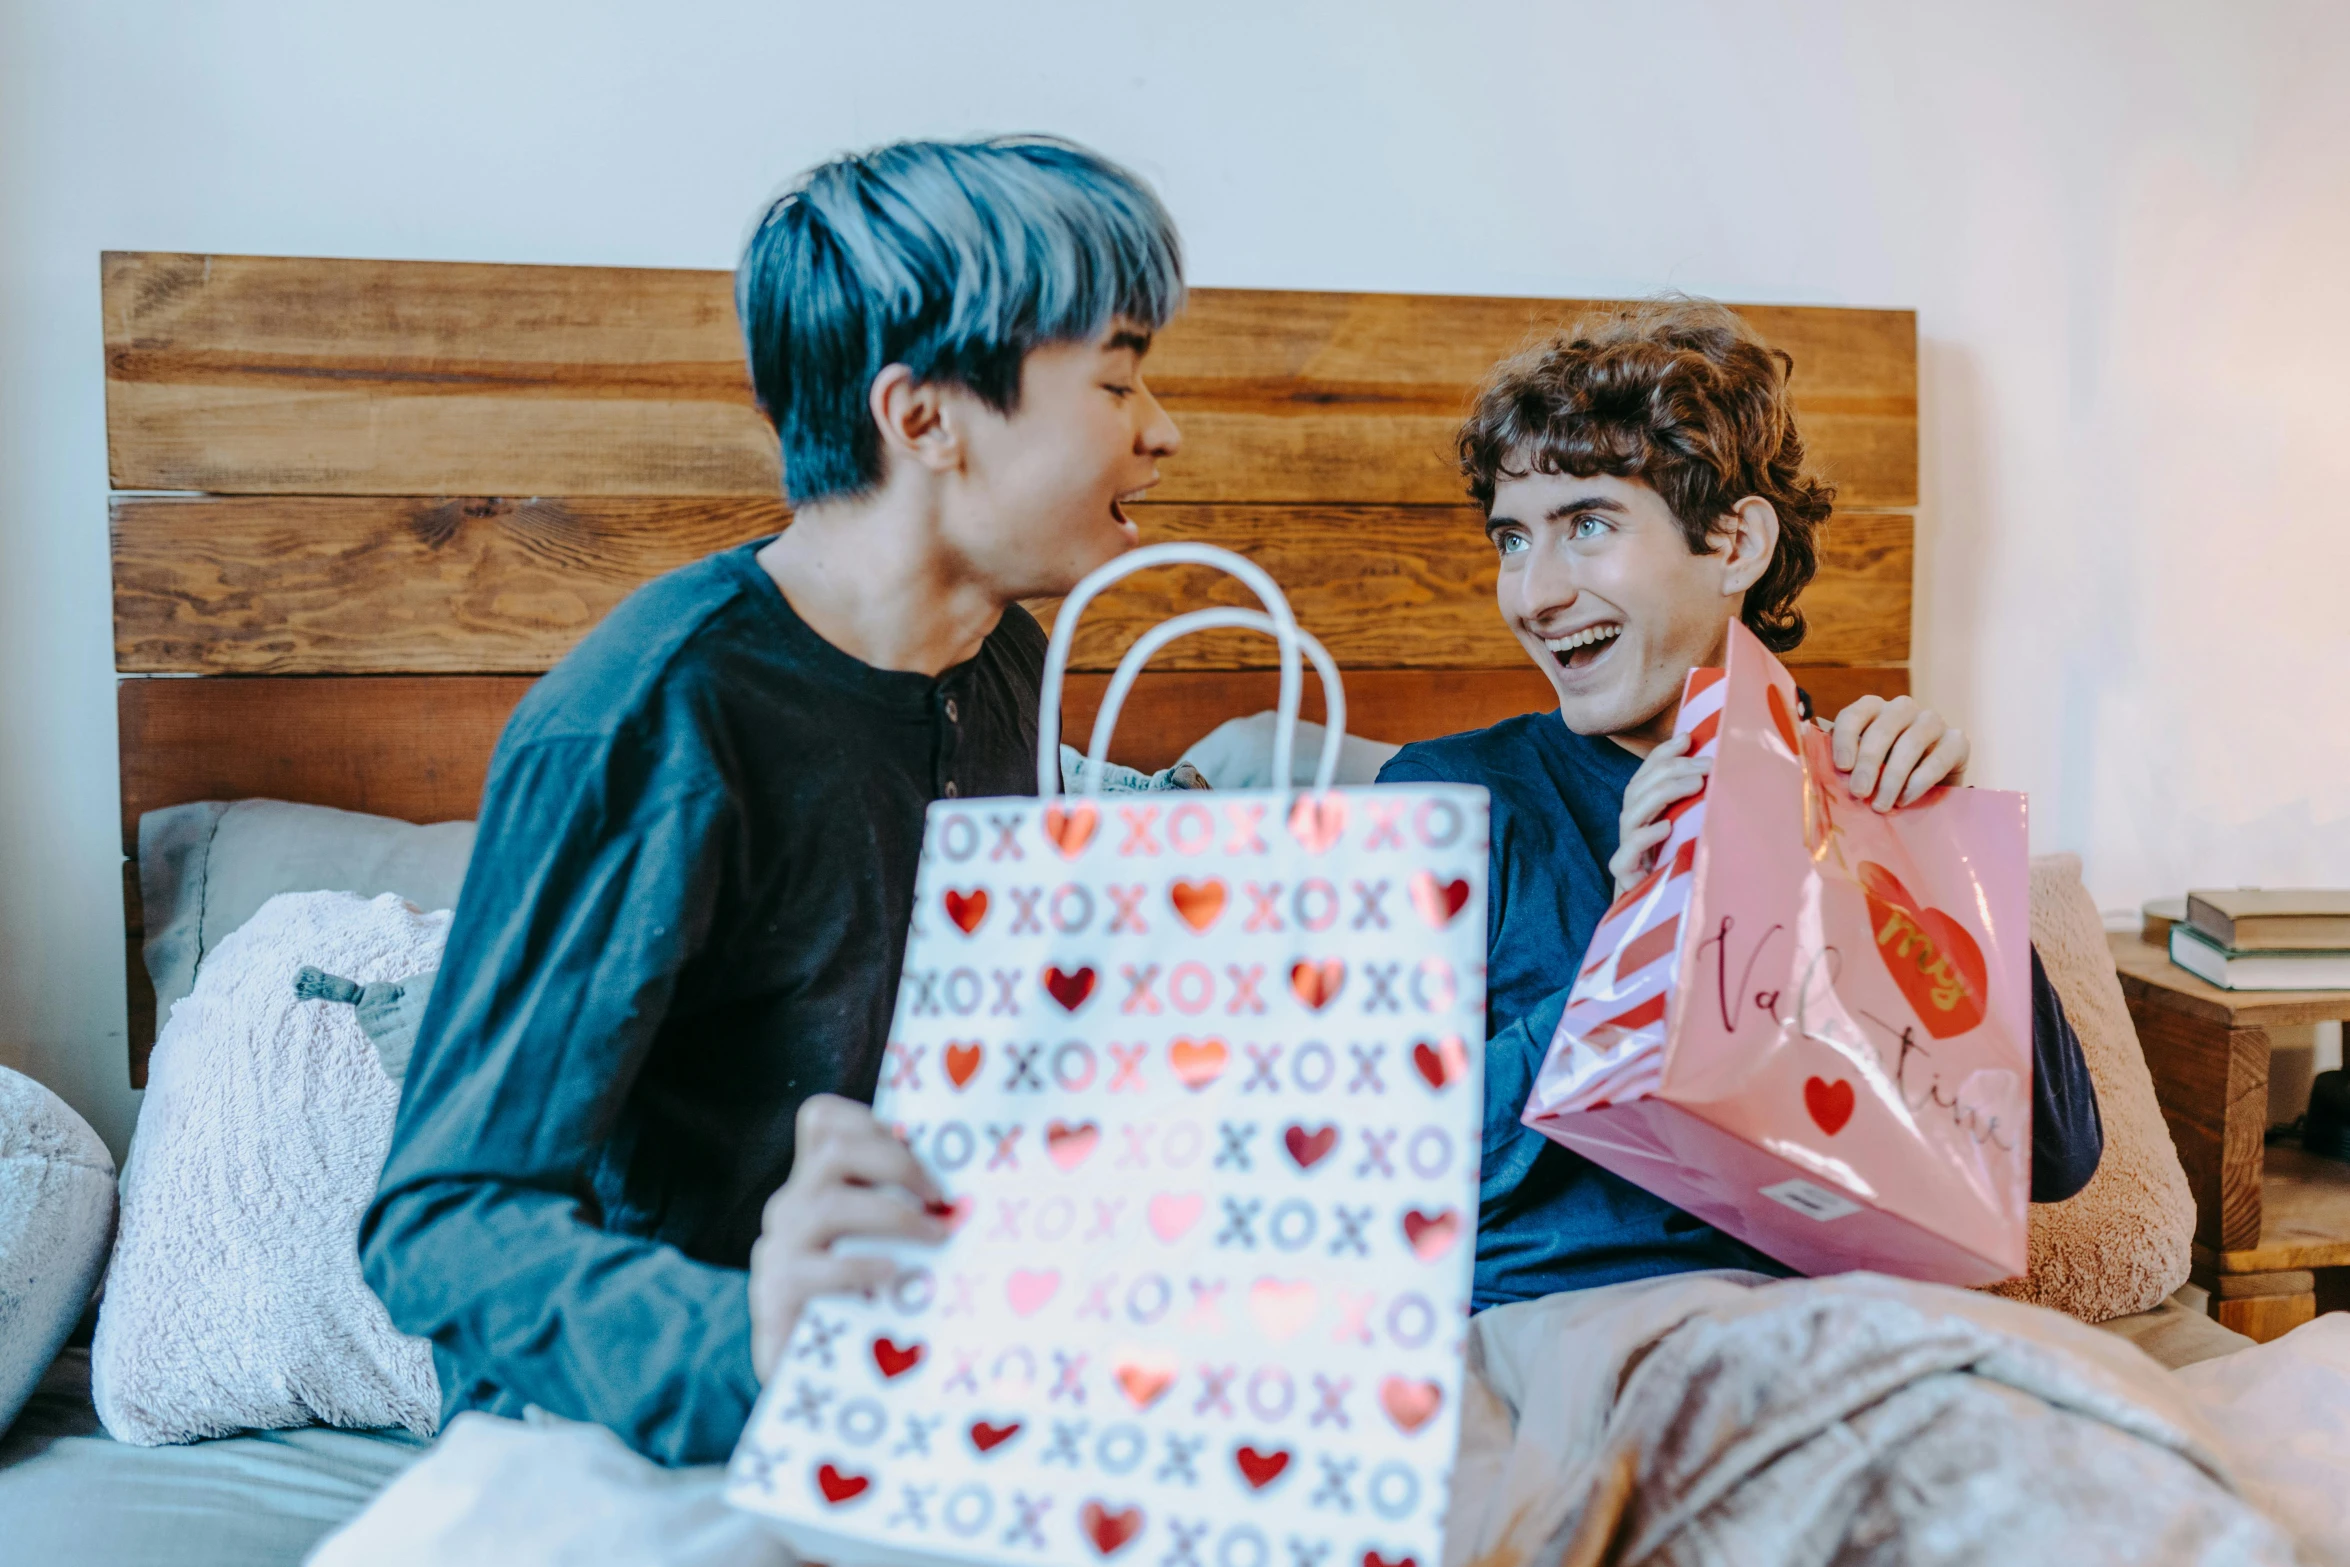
(1201, 1074)
(1810, 1026)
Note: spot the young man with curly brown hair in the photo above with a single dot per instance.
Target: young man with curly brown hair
(1643, 484)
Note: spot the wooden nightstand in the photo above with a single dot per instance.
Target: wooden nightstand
(2265, 1218)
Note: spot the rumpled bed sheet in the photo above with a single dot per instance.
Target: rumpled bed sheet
(69, 1493)
(1850, 1420)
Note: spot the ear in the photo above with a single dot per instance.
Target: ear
(1753, 540)
(912, 418)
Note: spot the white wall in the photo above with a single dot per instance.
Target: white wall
(2121, 224)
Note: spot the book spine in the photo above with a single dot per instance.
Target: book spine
(2210, 921)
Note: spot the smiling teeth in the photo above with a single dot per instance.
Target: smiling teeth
(1583, 638)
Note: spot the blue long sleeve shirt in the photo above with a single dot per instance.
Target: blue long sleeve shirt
(685, 913)
(1550, 1219)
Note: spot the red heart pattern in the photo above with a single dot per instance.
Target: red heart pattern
(1438, 901)
(1441, 1064)
(967, 909)
(1070, 1146)
(1318, 821)
(1109, 1532)
(1198, 1062)
(838, 1487)
(1307, 1149)
(1374, 1559)
(1144, 1379)
(987, 1438)
(1071, 990)
(1430, 1235)
(1198, 902)
(1830, 1104)
(1410, 1404)
(895, 1359)
(1260, 1469)
(962, 1059)
(1071, 830)
(1317, 984)
(1930, 955)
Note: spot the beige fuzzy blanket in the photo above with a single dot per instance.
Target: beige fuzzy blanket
(1858, 1419)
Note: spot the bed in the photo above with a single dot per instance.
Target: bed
(358, 506)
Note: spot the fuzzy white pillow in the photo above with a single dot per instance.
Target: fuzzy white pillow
(56, 1215)
(235, 1299)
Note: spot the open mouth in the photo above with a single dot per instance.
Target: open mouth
(1582, 649)
(1119, 515)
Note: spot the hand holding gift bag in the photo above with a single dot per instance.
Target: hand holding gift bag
(1202, 1076)
(1810, 1025)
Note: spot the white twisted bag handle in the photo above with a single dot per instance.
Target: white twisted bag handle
(1166, 631)
(1277, 619)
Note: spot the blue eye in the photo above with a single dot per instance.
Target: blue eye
(1119, 392)
(1511, 543)
(1589, 526)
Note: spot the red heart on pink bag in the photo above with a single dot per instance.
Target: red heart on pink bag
(1830, 1104)
(1317, 984)
(1197, 1062)
(1071, 989)
(1071, 830)
(1410, 1404)
(1929, 954)
(1374, 1559)
(1069, 1146)
(1307, 1149)
(1430, 1235)
(1318, 821)
(1260, 1469)
(1199, 902)
(962, 1058)
(1443, 1063)
(838, 1487)
(987, 1438)
(895, 1359)
(1438, 901)
(1110, 1532)
(967, 909)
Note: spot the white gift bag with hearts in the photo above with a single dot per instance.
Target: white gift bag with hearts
(1201, 1072)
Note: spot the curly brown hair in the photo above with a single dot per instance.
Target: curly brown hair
(1685, 397)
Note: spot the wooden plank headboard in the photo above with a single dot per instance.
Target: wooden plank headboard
(417, 484)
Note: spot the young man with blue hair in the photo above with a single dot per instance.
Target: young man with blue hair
(636, 1118)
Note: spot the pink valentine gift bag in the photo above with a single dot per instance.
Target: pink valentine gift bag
(1202, 1074)
(1810, 1026)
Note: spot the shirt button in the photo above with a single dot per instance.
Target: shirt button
(954, 713)
(952, 791)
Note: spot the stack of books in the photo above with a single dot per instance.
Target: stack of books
(2255, 938)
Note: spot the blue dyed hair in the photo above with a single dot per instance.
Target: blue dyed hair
(954, 259)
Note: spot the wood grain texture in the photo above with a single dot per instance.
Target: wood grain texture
(2266, 1318)
(418, 746)
(373, 585)
(2304, 1218)
(2211, 1082)
(241, 374)
(2148, 975)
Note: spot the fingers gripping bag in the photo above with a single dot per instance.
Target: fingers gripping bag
(1201, 1074)
(1810, 1026)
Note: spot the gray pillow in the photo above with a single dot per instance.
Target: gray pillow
(207, 868)
(56, 1221)
(390, 1010)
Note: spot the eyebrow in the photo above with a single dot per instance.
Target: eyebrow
(1129, 337)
